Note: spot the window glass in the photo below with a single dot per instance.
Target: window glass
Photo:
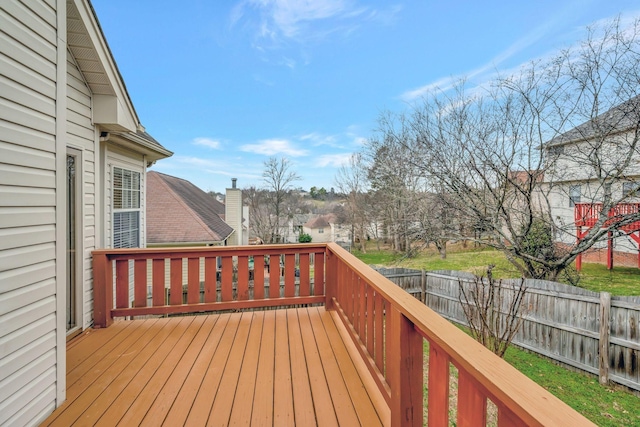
(574, 195)
(126, 208)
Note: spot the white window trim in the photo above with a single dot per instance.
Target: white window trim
(115, 211)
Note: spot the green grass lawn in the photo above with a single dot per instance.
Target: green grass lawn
(605, 406)
(594, 277)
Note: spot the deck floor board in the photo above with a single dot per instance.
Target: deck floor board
(271, 368)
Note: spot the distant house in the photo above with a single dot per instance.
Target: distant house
(73, 161)
(572, 180)
(181, 214)
(326, 228)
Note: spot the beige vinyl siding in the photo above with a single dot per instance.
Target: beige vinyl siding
(81, 134)
(28, 367)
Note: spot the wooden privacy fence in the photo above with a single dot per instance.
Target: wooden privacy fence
(561, 322)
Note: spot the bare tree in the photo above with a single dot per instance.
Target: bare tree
(278, 178)
(493, 310)
(261, 221)
(352, 181)
(506, 152)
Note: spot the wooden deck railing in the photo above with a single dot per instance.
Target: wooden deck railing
(152, 281)
(387, 325)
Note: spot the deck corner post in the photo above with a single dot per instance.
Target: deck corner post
(331, 277)
(405, 371)
(603, 342)
(102, 291)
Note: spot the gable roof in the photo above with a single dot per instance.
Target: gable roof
(320, 221)
(180, 212)
(621, 118)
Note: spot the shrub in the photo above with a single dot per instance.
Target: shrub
(304, 238)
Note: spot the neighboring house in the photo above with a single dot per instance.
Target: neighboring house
(295, 227)
(73, 159)
(325, 228)
(571, 179)
(181, 214)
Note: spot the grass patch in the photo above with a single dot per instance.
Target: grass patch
(605, 406)
(594, 277)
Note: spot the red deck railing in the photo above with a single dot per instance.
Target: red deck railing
(386, 324)
(587, 214)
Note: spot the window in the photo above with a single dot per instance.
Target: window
(320, 230)
(126, 208)
(556, 150)
(607, 191)
(574, 195)
(629, 189)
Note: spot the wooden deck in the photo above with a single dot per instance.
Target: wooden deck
(263, 368)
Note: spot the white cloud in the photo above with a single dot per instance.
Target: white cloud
(207, 142)
(488, 71)
(277, 21)
(359, 140)
(334, 160)
(318, 139)
(270, 147)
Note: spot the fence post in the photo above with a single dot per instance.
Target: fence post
(102, 291)
(605, 327)
(423, 284)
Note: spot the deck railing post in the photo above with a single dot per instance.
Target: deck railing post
(404, 371)
(331, 278)
(102, 291)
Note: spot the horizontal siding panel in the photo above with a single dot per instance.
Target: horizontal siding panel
(27, 295)
(27, 117)
(26, 355)
(26, 96)
(24, 376)
(18, 319)
(79, 108)
(31, 73)
(31, 403)
(23, 156)
(26, 236)
(80, 97)
(75, 80)
(26, 137)
(84, 143)
(22, 337)
(22, 217)
(24, 196)
(30, 39)
(31, 20)
(17, 176)
(24, 276)
(30, 255)
(30, 62)
(46, 12)
(78, 130)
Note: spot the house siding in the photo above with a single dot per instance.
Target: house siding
(28, 154)
(81, 135)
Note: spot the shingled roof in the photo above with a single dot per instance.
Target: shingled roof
(621, 118)
(180, 212)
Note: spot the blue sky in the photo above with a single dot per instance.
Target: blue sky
(225, 85)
